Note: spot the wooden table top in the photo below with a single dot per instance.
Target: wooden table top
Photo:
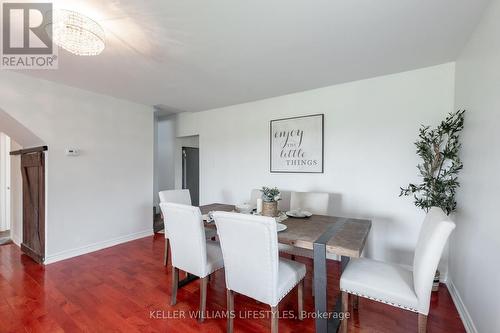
(349, 241)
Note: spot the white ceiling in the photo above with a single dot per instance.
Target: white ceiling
(196, 55)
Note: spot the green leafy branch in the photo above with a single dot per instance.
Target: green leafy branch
(439, 150)
(270, 194)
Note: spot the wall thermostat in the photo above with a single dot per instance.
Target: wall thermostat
(72, 152)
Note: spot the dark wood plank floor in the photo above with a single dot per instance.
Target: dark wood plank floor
(126, 289)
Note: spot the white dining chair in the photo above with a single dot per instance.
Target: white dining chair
(252, 265)
(396, 285)
(254, 195)
(283, 204)
(191, 252)
(316, 203)
(176, 196)
(182, 197)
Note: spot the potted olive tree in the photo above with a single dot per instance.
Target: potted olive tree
(439, 149)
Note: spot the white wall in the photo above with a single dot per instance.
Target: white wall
(16, 130)
(166, 145)
(475, 245)
(155, 161)
(4, 182)
(16, 196)
(103, 196)
(370, 128)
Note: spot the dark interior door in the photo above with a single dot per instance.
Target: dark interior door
(191, 173)
(33, 174)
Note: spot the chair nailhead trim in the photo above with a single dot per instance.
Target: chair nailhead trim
(380, 300)
(288, 291)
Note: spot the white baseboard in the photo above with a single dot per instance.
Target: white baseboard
(443, 278)
(96, 246)
(16, 241)
(462, 310)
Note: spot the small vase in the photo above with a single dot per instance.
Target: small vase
(270, 208)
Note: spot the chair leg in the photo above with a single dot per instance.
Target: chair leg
(312, 285)
(422, 323)
(300, 295)
(345, 309)
(274, 319)
(355, 302)
(230, 310)
(175, 285)
(203, 298)
(165, 259)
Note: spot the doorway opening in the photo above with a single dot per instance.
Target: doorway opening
(5, 189)
(176, 163)
(191, 173)
(22, 187)
(187, 166)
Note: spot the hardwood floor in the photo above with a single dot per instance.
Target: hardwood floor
(127, 289)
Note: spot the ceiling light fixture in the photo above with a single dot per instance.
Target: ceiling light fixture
(77, 33)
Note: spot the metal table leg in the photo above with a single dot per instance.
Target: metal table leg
(325, 321)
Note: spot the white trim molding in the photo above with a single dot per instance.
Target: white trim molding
(16, 239)
(96, 246)
(462, 310)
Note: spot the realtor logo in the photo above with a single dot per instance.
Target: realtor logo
(26, 36)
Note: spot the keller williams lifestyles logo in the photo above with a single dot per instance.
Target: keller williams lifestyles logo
(26, 36)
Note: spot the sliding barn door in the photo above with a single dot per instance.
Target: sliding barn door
(33, 172)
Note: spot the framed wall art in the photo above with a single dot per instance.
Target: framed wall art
(297, 144)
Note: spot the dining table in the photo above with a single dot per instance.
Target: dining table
(343, 236)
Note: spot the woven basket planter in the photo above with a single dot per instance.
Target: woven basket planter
(270, 208)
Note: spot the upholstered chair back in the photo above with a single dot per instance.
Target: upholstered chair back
(187, 237)
(250, 251)
(254, 195)
(176, 196)
(314, 202)
(433, 236)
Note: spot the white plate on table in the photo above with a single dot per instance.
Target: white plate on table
(244, 208)
(208, 218)
(299, 214)
(280, 227)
